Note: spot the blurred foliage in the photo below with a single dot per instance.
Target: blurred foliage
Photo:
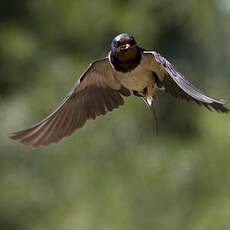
(114, 173)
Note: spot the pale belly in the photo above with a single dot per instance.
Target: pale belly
(136, 79)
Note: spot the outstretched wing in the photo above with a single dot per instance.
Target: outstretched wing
(176, 84)
(95, 93)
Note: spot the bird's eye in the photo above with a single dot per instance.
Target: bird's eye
(117, 44)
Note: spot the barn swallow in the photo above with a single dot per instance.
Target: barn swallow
(127, 68)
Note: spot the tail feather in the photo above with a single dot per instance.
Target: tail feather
(150, 105)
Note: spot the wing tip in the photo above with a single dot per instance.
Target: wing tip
(223, 102)
(15, 135)
(25, 142)
(219, 107)
(21, 137)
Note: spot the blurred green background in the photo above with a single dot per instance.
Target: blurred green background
(114, 173)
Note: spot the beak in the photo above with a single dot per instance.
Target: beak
(125, 47)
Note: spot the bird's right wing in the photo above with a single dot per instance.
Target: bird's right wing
(176, 84)
(95, 93)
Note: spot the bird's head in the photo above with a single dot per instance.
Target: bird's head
(124, 47)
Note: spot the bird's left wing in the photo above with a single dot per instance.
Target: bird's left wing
(176, 84)
(95, 93)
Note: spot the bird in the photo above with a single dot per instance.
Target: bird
(126, 69)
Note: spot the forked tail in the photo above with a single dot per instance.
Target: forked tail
(150, 104)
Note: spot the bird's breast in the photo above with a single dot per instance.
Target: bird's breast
(137, 79)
